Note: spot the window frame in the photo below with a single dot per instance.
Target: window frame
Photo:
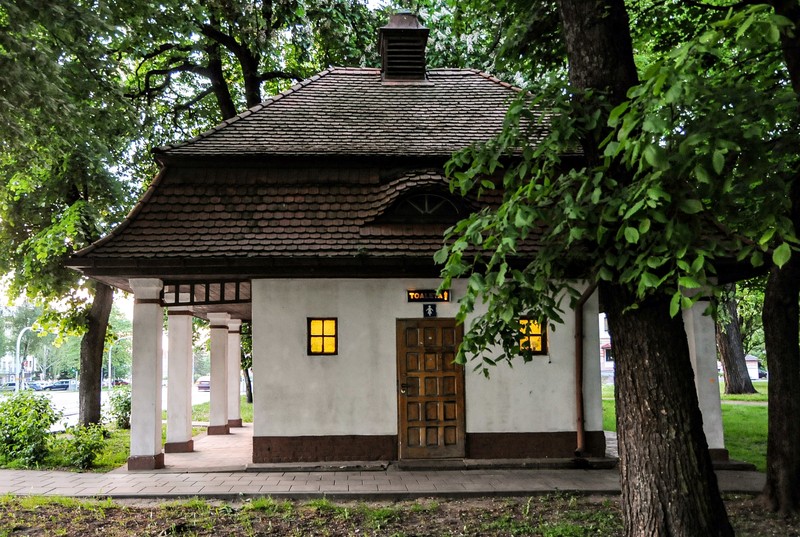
(544, 351)
(323, 336)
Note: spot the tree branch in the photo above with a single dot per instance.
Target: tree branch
(272, 75)
(191, 102)
(166, 47)
(150, 90)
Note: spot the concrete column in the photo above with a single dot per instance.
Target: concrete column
(179, 388)
(218, 423)
(234, 375)
(146, 374)
(703, 353)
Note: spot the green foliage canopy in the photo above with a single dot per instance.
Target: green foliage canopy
(709, 138)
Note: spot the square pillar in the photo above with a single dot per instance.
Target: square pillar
(703, 354)
(179, 387)
(146, 374)
(234, 373)
(218, 420)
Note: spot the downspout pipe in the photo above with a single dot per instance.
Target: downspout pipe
(580, 427)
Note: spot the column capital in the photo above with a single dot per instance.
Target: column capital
(180, 310)
(146, 288)
(234, 325)
(219, 320)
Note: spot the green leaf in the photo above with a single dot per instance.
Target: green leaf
(688, 282)
(698, 263)
(781, 254)
(650, 280)
(618, 110)
(718, 161)
(702, 175)
(691, 206)
(656, 157)
(631, 235)
(675, 304)
(766, 236)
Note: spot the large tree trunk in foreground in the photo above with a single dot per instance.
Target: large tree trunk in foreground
(668, 483)
(780, 318)
(92, 346)
(729, 345)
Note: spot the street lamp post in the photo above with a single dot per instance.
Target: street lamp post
(17, 364)
(111, 348)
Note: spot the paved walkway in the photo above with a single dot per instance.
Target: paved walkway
(189, 474)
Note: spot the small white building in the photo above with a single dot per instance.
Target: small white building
(315, 217)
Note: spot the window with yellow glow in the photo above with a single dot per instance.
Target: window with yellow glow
(534, 336)
(323, 336)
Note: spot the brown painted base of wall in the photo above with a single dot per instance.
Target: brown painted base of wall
(146, 462)
(179, 447)
(532, 445)
(718, 454)
(235, 423)
(218, 429)
(324, 448)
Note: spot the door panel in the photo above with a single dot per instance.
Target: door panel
(430, 389)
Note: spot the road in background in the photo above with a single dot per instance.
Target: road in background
(67, 402)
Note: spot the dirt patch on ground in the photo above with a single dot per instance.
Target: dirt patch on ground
(551, 515)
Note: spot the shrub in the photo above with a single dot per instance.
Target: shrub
(25, 422)
(120, 406)
(83, 444)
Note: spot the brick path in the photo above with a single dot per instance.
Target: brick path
(219, 468)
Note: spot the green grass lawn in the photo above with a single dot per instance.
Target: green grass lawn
(761, 386)
(202, 411)
(745, 428)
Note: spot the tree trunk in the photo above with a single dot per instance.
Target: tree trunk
(248, 385)
(780, 319)
(92, 346)
(668, 483)
(729, 345)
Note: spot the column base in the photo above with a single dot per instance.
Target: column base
(218, 429)
(235, 423)
(719, 454)
(179, 447)
(146, 462)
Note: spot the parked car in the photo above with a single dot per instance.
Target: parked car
(203, 384)
(120, 382)
(36, 385)
(58, 385)
(11, 386)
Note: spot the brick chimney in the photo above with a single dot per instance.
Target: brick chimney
(402, 45)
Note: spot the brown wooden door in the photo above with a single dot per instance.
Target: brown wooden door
(430, 395)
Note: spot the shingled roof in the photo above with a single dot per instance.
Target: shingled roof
(300, 185)
(347, 111)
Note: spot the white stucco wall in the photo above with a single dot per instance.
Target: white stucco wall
(354, 392)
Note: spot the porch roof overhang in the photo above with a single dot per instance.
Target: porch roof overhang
(186, 271)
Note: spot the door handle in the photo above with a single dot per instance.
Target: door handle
(403, 388)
